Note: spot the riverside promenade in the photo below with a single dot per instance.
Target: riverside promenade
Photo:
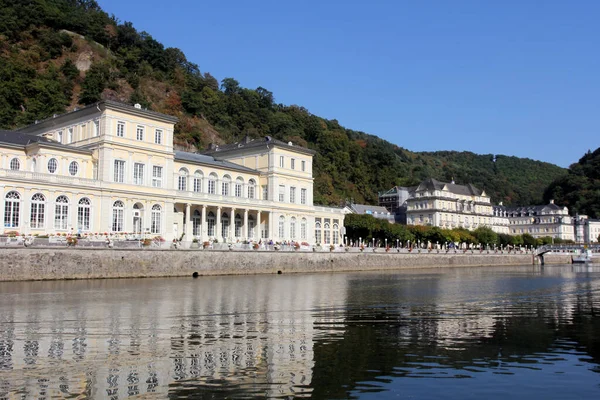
(62, 263)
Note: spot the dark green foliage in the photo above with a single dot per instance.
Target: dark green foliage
(348, 164)
(369, 229)
(96, 80)
(580, 188)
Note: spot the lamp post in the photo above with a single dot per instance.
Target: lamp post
(408, 244)
(386, 243)
(373, 242)
(359, 241)
(397, 243)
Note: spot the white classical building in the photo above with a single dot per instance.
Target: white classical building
(549, 220)
(448, 206)
(586, 230)
(112, 168)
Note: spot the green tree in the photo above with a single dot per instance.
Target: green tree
(484, 235)
(96, 80)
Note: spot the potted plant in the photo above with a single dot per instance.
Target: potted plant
(194, 244)
(146, 242)
(256, 246)
(206, 244)
(71, 241)
(296, 246)
(331, 248)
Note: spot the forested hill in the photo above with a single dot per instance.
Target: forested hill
(57, 54)
(580, 189)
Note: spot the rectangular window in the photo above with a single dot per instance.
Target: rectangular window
(265, 192)
(303, 164)
(158, 136)
(59, 136)
(138, 174)
(281, 161)
(293, 163)
(121, 129)
(292, 194)
(119, 171)
(156, 176)
(281, 193)
(139, 133)
(302, 196)
(83, 133)
(96, 128)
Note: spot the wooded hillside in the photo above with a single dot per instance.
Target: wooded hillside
(56, 54)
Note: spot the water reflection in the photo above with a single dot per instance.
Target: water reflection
(326, 336)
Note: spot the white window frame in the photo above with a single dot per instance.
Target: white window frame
(281, 161)
(38, 211)
(303, 196)
(15, 164)
(138, 173)
(120, 129)
(139, 133)
(281, 193)
(157, 174)
(73, 168)
(119, 171)
(292, 194)
(158, 136)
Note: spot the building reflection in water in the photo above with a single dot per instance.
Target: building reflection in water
(276, 336)
(121, 338)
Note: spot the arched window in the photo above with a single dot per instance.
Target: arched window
(293, 228)
(117, 216)
(198, 181)
(212, 183)
(303, 229)
(156, 218)
(281, 227)
(336, 234)
(182, 181)
(15, 164)
(196, 223)
(12, 209)
(327, 229)
(251, 188)
(83, 214)
(73, 168)
(210, 223)
(238, 226)
(61, 213)
(52, 165)
(38, 208)
(251, 226)
(225, 185)
(318, 239)
(224, 225)
(239, 184)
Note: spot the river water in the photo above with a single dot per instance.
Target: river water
(470, 333)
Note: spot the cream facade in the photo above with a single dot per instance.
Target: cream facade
(541, 221)
(448, 206)
(111, 168)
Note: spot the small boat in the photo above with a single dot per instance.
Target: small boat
(584, 258)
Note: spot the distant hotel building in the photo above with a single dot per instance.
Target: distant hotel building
(112, 168)
(448, 206)
(539, 221)
(394, 200)
(376, 211)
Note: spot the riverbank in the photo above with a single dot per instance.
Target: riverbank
(24, 264)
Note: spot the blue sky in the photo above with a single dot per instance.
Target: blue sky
(505, 77)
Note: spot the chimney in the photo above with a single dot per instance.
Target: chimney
(551, 201)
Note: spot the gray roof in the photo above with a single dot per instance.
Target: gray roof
(98, 106)
(368, 209)
(209, 160)
(432, 184)
(397, 189)
(24, 139)
(535, 210)
(265, 142)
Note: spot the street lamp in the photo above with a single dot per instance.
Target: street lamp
(396, 243)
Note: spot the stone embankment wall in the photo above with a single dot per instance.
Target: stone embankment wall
(21, 264)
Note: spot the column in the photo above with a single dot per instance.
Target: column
(258, 227)
(268, 224)
(245, 225)
(203, 227)
(232, 224)
(218, 225)
(188, 222)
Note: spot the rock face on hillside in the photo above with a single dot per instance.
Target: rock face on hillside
(58, 54)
